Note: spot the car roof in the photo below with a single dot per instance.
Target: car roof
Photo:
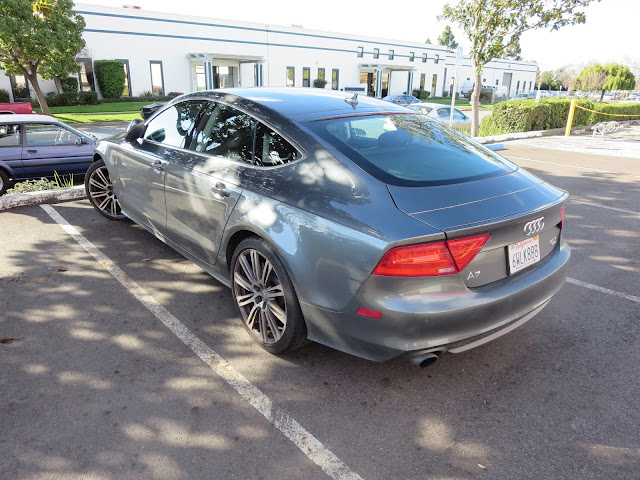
(27, 117)
(305, 104)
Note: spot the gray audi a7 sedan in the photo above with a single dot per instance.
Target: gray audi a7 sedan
(345, 220)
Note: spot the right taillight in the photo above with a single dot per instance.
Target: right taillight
(431, 259)
(562, 216)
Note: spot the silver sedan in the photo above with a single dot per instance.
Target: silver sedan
(348, 221)
(441, 113)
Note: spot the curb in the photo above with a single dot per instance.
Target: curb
(45, 196)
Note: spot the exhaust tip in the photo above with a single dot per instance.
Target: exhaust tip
(424, 360)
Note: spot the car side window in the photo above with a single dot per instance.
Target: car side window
(458, 115)
(46, 134)
(173, 126)
(225, 132)
(10, 135)
(444, 112)
(272, 149)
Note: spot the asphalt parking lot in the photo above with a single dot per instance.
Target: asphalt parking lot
(123, 360)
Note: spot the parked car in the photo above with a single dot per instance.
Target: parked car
(348, 221)
(401, 99)
(36, 146)
(149, 110)
(441, 113)
(16, 107)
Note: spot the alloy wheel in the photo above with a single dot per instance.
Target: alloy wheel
(100, 191)
(260, 296)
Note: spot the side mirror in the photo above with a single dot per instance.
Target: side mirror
(135, 131)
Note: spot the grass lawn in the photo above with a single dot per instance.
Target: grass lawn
(91, 118)
(100, 108)
(460, 102)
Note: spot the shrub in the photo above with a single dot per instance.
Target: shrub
(69, 84)
(172, 95)
(32, 186)
(4, 96)
(110, 76)
(421, 94)
(488, 127)
(71, 98)
(319, 83)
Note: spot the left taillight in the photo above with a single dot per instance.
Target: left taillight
(431, 259)
(562, 208)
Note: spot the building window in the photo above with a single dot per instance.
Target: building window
(360, 52)
(376, 53)
(335, 77)
(424, 58)
(306, 77)
(437, 59)
(484, 80)
(434, 84)
(126, 90)
(291, 73)
(85, 75)
(529, 85)
(321, 73)
(157, 77)
(391, 54)
(19, 87)
(496, 82)
(423, 78)
(412, 56)
(518, 87)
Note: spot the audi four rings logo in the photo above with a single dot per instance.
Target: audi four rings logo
(534, 226)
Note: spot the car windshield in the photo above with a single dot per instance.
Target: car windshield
(410, 150)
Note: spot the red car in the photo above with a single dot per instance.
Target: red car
(19, 107)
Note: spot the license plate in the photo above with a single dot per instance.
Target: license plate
(523, 254)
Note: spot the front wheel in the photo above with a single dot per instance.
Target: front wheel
(99, 188)
(265, 297)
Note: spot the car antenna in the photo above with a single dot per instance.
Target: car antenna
(353, 101)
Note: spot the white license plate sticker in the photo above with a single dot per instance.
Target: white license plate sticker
(523, 254)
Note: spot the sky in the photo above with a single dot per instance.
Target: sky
(607, 36)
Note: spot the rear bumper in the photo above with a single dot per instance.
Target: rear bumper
(441, 313)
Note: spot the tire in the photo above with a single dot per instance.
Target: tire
(97, 185)
(4, 182)
(265, 296)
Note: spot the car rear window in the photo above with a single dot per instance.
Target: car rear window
(410, 150)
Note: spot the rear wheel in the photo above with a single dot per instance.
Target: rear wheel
(97, 184)
(265, 297)
(4, 182)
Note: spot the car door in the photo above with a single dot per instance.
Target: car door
(50, 148)
(142, 165)
(203, 188)
(11, 149)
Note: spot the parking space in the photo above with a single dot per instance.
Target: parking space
(96, 386)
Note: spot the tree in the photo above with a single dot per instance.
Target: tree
(601, 78)
(428, 41)
(447, 39)
(494, 25)
(39, 38)
(513, 52)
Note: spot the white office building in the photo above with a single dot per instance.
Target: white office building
(166, 53)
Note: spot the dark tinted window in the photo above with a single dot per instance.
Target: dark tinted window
(172, 126)
(10, 135)
(225, 132)
(272, 149)
(410, 150)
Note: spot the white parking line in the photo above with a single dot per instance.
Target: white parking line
(576, 200)
(572, 166)
(301, 438)
(590, 286)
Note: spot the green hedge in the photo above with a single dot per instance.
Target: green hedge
(69, 84)
(143, 98)
(421, 94)
(110, 76)
(526, 115)
(4, 96)
(71, 98)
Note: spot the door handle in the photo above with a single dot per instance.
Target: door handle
(158, 166)
(221, 190)
(32, 151)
